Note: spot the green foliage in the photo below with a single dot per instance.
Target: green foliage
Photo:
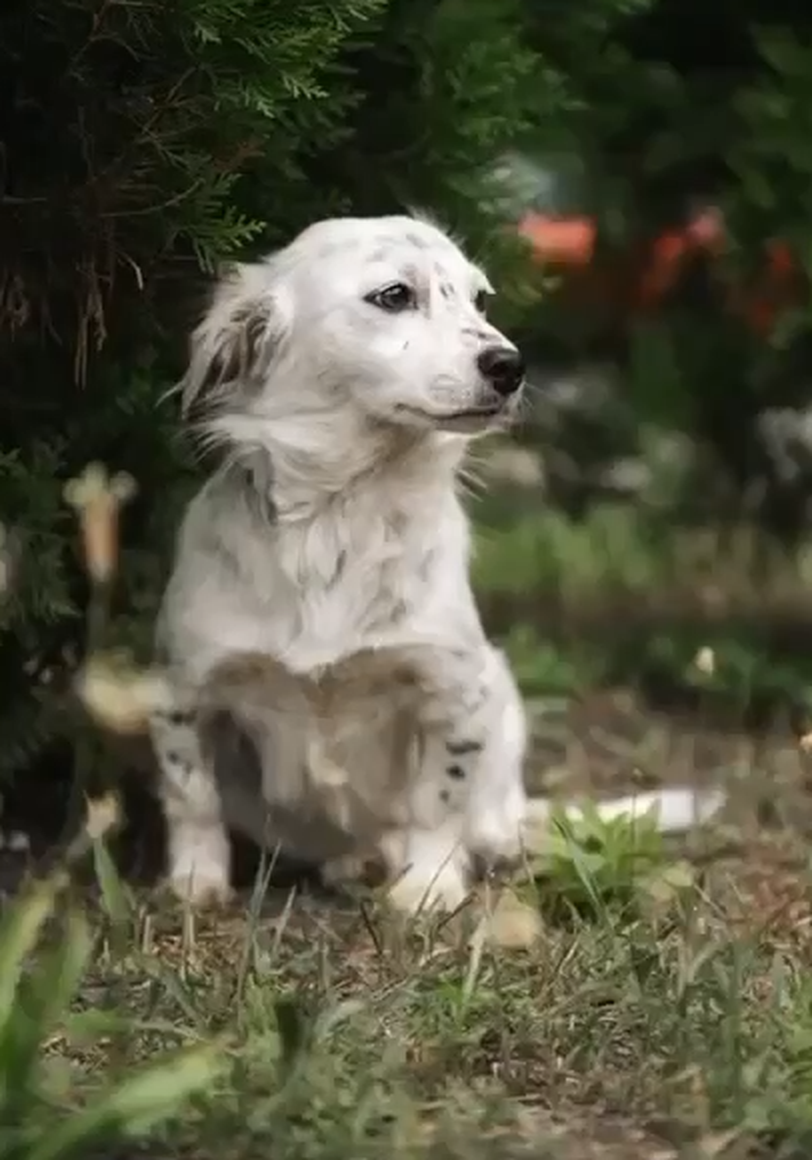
(544, 669)
(150, 116)
(738, 669)
(550, 552)
(660, 130)
(593, 867)
(131, 137)
(619, 598)
(143, 145)
(45, 952)
(770, 155)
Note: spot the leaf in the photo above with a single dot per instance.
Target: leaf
(666, 882)
(116, 899)
(20, 931)
(46, 998)
(133, 1106)
(583, 869)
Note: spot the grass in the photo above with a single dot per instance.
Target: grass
(666, 1011)
(624, 597)
(673, 1028)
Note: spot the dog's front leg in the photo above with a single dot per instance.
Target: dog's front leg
(468, 795)
(199, 849)
(430, 865)
(496, 801)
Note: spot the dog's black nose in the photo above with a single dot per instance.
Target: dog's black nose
(503, 367)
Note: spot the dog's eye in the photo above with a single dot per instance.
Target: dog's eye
(481, 301)
(393, 298)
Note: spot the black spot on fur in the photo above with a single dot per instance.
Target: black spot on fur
(176, 759)
(398, 611)
(461, 748)
(238, 358)
(456, 771)
(253, 479)
(341, 564)
(181, 717)
(445, 796)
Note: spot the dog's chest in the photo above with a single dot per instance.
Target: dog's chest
(342, 739)
(356, 574)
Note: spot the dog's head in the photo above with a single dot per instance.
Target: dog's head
(385, 315)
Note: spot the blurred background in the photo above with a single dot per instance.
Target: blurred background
(635, 173)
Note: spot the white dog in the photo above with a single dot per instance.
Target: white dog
(335, 694)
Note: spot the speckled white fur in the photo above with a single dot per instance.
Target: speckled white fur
(320, 602)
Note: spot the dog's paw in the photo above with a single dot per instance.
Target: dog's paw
(417, 891)
(495, 846)
(496, 836)
(200, 890)
(200, 875)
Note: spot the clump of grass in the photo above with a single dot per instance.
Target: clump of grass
(746, 672)
(737, 670)
(46, 944)
(336, 1041)
(48, 941)
(617, 548)
(549, 551)
(546, 669)
(591, 867)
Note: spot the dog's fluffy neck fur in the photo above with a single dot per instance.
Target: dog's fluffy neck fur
(304, 467)
(344, 541)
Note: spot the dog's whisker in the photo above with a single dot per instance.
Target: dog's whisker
(471, 483)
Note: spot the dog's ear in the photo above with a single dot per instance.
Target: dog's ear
(233, 346)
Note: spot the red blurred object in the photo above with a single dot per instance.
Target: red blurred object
(565, 241)
(642, 281)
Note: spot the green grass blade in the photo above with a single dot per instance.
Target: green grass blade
(116, 899)
(44, 1001)
(134, 1106)
(20, 931)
